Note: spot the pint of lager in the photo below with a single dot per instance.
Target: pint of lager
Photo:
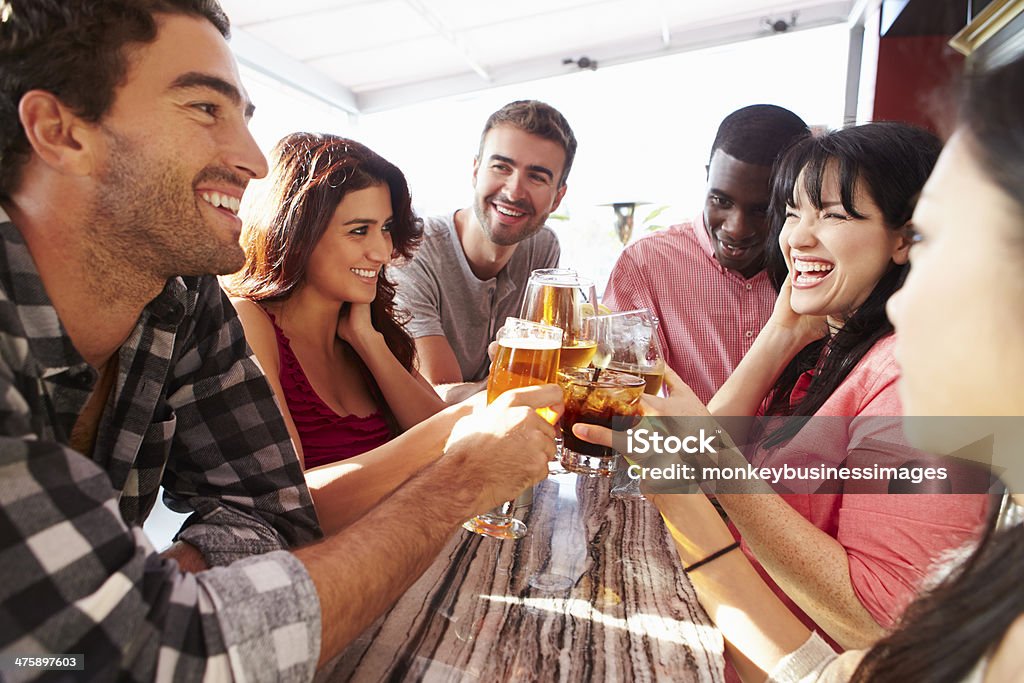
(523, 362)
(527, 356)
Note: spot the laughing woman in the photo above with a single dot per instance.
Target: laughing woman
(316, 302)
(961, 351)
(846, 559)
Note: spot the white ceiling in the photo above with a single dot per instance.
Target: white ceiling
(369, 55)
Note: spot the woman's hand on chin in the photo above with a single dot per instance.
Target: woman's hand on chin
(803, 328)
(355, 325)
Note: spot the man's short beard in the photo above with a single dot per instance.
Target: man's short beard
(527, 231)
(145, 213)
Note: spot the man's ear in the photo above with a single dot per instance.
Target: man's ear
(558, 198)
(476, 169)
(59, 137)
(905, 240)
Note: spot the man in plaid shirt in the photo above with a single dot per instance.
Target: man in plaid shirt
(124, 152)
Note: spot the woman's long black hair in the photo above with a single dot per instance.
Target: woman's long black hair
(945, 633)
(891, 162)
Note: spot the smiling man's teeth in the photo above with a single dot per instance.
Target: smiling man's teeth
(508, 212)
(222, 201)
(364, 273)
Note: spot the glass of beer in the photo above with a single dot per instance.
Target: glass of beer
(560, 297)
(527, 355)
(594, 396)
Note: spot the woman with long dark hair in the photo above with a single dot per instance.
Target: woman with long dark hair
(316, 302)
(846, 560)
(961, 352)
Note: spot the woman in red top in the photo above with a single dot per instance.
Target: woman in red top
(316, 303)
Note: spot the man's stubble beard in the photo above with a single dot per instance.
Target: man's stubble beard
(145, 219)
(480, 207)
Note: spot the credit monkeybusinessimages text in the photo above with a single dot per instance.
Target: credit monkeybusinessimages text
(645, 442)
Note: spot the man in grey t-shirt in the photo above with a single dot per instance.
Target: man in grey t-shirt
(470, 272)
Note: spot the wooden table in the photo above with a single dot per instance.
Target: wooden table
(593, 593)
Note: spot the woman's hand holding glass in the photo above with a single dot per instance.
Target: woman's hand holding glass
(678, 401)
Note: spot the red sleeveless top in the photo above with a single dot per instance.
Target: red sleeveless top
(326, 436)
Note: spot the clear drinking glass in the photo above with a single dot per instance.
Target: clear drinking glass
(597, 397)
(528, 354)
(561, 297)
(627, 341)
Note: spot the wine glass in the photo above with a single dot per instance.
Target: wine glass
(527, 355)
(627, 341)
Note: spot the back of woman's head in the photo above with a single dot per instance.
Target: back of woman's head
(310, 175)
(888, 161)
(944, 635)
(992, 115)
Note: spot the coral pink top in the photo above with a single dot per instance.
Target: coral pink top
(325, 436)
(891, 540)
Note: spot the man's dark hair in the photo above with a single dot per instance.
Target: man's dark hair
(758, 134)
(74, 49)
(536, 118)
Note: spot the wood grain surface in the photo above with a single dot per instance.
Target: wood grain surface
(593, 593)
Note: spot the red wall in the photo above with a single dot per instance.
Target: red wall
(915, 75)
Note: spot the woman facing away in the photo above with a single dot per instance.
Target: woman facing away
(316, 303)
(961, 352)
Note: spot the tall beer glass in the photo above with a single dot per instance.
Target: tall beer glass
(527, 355)
(560, 297)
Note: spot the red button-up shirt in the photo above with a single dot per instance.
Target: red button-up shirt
(709, 315)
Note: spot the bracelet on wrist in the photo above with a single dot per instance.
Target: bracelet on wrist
(711, 558)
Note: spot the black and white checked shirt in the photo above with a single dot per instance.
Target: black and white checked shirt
(190, 409)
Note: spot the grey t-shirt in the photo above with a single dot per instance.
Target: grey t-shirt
(443, 296)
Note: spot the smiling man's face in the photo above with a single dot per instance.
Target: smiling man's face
(177, 154)
(516, 178)
(736, 212)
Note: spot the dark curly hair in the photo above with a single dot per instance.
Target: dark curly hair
(74, 49)
(310, 174)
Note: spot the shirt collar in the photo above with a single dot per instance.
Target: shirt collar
(704, 239)
(50, 349)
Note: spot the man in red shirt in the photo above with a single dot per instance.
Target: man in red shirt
(705, 280)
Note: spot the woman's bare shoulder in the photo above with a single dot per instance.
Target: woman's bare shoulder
(259, 331)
